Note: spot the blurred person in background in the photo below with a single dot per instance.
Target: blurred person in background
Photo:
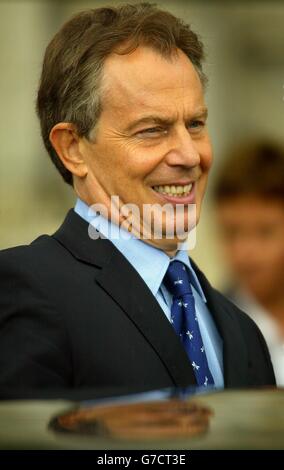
(249, 196)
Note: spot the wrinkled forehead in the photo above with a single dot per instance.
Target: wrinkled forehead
(145, 80)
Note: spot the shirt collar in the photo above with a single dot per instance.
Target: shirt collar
(137, 252)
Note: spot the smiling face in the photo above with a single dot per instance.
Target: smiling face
(151, 144)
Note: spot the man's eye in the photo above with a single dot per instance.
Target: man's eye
(196, 125)
(151, 132)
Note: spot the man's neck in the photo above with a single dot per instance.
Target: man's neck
(169, 246)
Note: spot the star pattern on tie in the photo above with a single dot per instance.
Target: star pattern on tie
(189, 334)
(185, 322)
(195, 366)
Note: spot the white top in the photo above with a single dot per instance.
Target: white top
(268, 327)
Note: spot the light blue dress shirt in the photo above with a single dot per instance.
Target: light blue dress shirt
(138, 253)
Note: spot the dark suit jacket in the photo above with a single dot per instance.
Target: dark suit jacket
(75, 313)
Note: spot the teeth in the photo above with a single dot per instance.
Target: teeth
(178, 191)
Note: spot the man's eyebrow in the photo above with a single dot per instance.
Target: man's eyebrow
(150, 119)
(164, 121)
(201, 113)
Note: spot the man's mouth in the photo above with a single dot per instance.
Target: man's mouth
(174, 190)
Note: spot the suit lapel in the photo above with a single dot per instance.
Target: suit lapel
(235, 357)
(121, 281)
(124, 285)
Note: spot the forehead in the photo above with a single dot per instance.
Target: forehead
(144, 80)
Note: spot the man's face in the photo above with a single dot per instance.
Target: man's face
(253, 239)
(151, 136)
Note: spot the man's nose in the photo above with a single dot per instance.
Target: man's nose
(183, 150)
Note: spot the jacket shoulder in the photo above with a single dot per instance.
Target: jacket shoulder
(37, 246)
(43, 251)
(34, 346)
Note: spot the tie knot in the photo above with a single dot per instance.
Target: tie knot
(176, 279)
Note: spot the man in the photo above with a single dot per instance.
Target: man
(121, 105)
(250, 215)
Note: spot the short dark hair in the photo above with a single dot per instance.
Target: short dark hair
(255, 168)
(73, 62)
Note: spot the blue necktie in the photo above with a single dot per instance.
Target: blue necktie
(184, 320)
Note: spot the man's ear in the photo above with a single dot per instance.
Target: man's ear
(65, 141)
